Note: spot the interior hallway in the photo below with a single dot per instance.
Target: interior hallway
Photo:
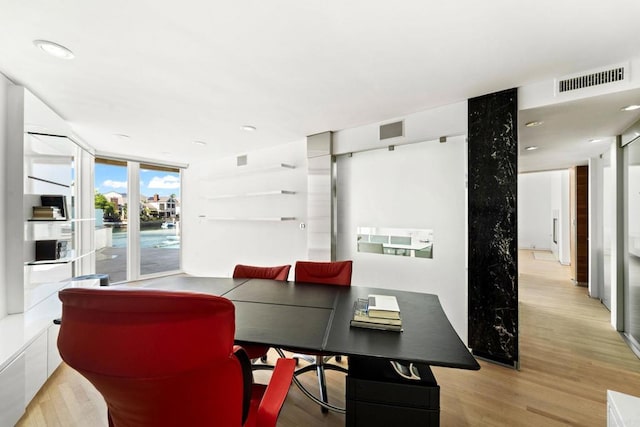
(570, 356)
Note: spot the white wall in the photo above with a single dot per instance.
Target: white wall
(564, 249)
(4, 84)
(419, 186)
(543, 196)
(596, 257)
(534, 211)
(213, 246)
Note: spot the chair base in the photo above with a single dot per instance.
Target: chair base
(318, 364)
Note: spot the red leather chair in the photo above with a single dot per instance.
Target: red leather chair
(162, 358)
(328, 273)
(280, 272)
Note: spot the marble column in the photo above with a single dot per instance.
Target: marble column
(493, 256)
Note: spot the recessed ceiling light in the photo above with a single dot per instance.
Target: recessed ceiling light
(533, 124)
(121, 136)
(531, 148)
(54, 49)
(630, 107)
(592, 140)
(248, 128)
(202, 143)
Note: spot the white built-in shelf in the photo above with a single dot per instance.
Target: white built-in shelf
(244, 171)
(64, 260)
(252, 194)
(275, 218)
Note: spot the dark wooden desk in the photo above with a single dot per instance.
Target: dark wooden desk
(428, 336)
(312, 317)
(316, 317)
(205, 285)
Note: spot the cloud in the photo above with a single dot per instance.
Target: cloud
(165, 182)
(114, 184)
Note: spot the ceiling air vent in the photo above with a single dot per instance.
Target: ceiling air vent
(391, 130)
(597, 78)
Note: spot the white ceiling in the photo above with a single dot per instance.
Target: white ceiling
(168, 73)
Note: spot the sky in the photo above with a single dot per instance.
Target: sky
(114, 178)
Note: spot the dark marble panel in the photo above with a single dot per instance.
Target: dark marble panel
(493, 269)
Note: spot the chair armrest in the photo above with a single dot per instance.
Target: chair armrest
(276, 393)
(247, 380)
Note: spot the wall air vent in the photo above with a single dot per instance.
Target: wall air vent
(391, 130)
(596, 78)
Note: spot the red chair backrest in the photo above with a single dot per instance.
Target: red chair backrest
(159, 358)
(329, 273)
(280, 272)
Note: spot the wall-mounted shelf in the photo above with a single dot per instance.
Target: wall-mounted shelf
(275, 219)
(65, 260)
(61, 220)
(252, 194)
(245, 171)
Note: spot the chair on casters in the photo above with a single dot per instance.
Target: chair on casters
(328, 273)
(280, 272)
(162, 358)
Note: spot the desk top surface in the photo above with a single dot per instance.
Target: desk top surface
(316, 317)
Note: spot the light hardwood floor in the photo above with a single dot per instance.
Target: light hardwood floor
(570, 356)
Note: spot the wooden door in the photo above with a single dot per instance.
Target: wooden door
(579, 211)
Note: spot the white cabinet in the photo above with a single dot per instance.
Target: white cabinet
(623, 410)
(12, 392)
(35, 367)
(53, 355)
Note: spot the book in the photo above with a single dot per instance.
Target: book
(385, 306)
(46, 212)
(361, 314)
(362, 319)
(378, 326)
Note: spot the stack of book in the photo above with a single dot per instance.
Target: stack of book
(46, 212)
(377, 312)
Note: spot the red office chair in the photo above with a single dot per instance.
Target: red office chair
(327, 273)
(280, 272)
(162, 358)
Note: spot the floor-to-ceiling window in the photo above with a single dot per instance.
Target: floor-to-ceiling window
(137, 228)
(112, 206)
(632, 264)
(159, 237)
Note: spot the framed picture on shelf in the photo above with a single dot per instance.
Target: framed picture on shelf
(56, 200)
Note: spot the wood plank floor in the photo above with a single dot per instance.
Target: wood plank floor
(570, 356)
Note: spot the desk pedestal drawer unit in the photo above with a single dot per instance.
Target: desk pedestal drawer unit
(378, 396)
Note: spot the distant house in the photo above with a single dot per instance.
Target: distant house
(166, 207)
(120, 200)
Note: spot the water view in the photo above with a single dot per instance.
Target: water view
(152, 238)
(159, 251)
